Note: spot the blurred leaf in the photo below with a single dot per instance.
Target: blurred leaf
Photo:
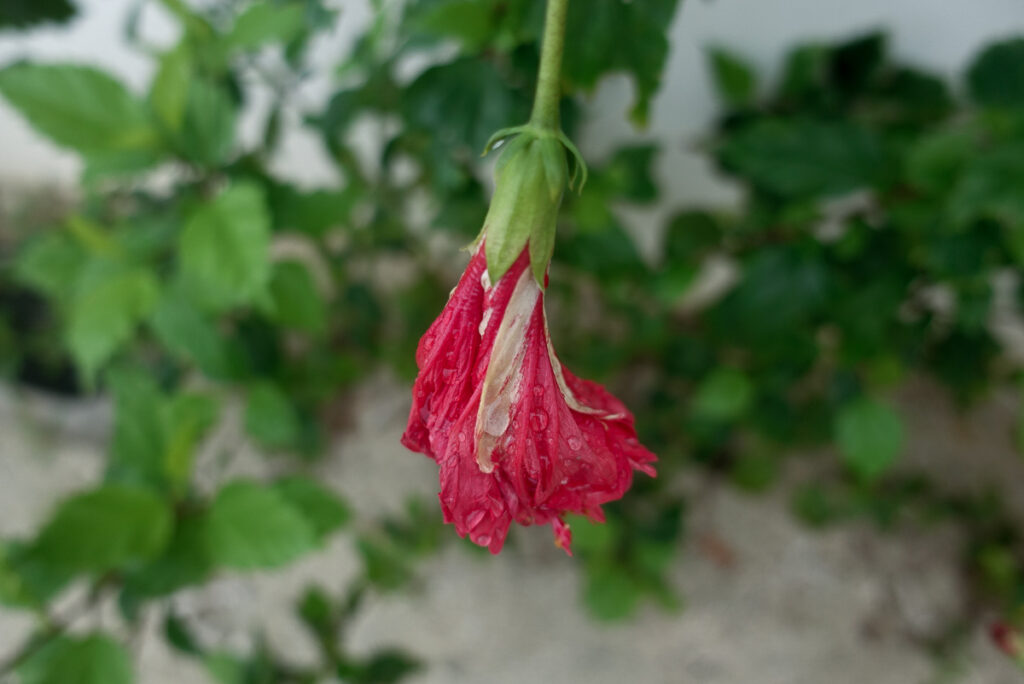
(297, 301)
(267, 22)
(107, 306)
(628, 174)
(109, 527)
(78, 107)
(253, 526)
(870, 437)
(386, 666)
(190, 335)
(725, 395)
(92, 659)
(324, 510)
(996, 77)
(50, 264)
(690, 236)
(271, 417)
(609, 592)
(208, 130)
(462, 103)
(186, 561)
(595, 46)
(22, 14)
(802, 157)
(990, 188)
(169, 91)
(734, 78)
(224, 259)
(936, 159)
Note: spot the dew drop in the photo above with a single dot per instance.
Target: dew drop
(575, 443)
(446, 373)
(483, 540)
(565, 480)
(462, 436)
(538, 390)
(539, 419)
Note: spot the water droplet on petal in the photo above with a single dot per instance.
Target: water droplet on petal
(575, 443)
(538, 390)
(565, 480)
(539, 419)
(483, 540)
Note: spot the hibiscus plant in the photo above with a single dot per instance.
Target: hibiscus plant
(187, 276)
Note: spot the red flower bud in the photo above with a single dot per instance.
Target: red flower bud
(517, 437)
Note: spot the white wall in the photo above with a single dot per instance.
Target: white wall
(936, 34)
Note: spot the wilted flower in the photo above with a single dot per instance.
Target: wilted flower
(517, 437)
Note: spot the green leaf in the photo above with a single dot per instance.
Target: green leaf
(297, 302)
(22, 14)
(190, 335)
(596, 46)
(93, 659)
(109, 527)
(208, 130)
(169, 91)
(462, 103)
(734, 78)
(50, 264)
(254, 526)
(996, 77)
(386, 666)
(869, 436)
(725, 395)
(609, 592)
(271, 417)
(78, 107)
(108, 305)
(267, 22)
(224, 249)
(324, 510)
(990, 188)
(800, 157)
(186, 561)
(690, 236)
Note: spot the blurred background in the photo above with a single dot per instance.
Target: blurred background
(225, 224)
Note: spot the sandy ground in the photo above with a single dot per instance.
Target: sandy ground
(846, 606)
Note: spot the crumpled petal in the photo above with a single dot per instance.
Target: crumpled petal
(517, 437)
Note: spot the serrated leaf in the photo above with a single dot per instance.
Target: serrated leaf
(869, 436)
(94, 659)
(253, 526)
(78, 107)
(110, 527)
(224, 249)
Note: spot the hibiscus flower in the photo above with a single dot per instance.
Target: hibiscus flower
(517, 437)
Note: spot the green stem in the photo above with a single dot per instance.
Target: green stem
(546, 113)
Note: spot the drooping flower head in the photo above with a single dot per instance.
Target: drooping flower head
(517, 437)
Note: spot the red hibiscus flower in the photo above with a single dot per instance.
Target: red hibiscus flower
(517, 437)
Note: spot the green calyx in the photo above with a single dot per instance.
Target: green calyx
(530, 179)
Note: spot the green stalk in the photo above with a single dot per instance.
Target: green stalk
(546, 113)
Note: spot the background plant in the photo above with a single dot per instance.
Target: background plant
(171, 297)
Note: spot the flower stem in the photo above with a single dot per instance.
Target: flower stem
(546, 113)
